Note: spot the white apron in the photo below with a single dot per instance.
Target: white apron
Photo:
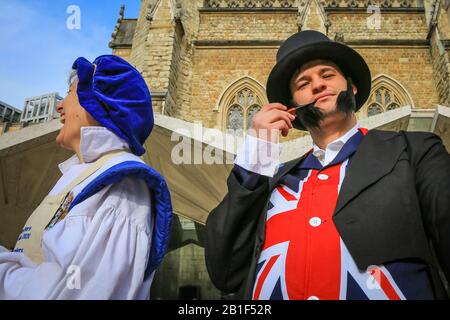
(51, 210)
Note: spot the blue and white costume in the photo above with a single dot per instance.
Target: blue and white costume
(106, 241)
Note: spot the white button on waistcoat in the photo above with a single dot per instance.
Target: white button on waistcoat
(315, 222)
(323, 177)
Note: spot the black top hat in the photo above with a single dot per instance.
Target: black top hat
(309, 45)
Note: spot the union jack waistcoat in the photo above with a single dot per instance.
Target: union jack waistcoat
(303, 256)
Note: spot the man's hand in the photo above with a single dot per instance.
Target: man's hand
(272, 118)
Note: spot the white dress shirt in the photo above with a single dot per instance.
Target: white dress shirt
(263, 157)
(101, 249)
(333, 148)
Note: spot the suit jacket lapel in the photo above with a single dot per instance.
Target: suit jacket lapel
(273, 182)
(375, 157)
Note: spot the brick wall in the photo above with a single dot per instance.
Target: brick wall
(184, 60)
(392, 26)
(122, 52)
(410, 66)
(246, 26)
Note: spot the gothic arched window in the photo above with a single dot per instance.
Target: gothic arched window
(392, 106)
(374, 109)
(382, 100)
(387, 94)
(239, 103)
(242, 110)
(251, 113)
(235, 118)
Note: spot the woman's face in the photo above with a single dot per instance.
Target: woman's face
(73, 116)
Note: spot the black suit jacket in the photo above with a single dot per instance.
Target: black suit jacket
(394, 204)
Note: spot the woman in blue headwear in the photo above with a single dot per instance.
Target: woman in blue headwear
(104, 227)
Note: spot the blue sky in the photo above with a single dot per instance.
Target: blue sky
(37, 49)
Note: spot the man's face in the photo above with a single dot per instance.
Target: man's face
(319, 79)
(73, 116)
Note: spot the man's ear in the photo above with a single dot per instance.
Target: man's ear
(355, 90)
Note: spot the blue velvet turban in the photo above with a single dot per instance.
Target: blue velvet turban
(115, 94)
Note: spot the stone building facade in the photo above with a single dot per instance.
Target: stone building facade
(208, 61)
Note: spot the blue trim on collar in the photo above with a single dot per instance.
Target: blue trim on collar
(161, 202)
(349, 148)
(311, 162)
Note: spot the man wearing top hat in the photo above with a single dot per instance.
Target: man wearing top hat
(362, 215)
(103, 228)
